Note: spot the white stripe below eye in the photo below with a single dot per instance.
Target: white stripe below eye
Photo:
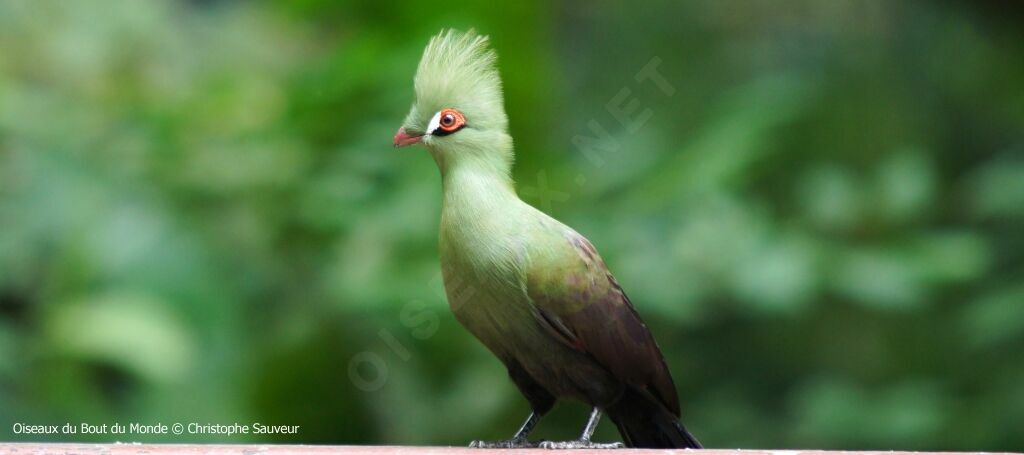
(435, 123)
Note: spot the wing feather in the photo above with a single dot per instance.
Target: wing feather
(579, 301)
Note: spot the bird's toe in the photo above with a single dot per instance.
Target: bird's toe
(506, 444)
(579, 444)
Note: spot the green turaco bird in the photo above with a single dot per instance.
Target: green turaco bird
(534, 291)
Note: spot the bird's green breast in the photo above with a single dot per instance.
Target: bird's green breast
(490, 242)
(483, 258)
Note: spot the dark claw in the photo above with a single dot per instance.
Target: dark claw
(579, 444)
(520, 443)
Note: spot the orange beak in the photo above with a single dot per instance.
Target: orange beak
(403, 139)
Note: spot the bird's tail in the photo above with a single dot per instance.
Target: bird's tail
(645, 423)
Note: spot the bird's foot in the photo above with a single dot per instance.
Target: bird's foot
(579, 444)
(514, 443)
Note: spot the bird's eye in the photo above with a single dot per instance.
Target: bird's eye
(448, 121)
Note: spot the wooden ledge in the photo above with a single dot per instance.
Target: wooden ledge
(257, 449)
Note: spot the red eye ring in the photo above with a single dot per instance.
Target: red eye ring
(451, 120)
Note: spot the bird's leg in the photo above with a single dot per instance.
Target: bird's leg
(518, 441)
(584, 441)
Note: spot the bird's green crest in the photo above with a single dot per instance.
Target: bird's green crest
(458, 71)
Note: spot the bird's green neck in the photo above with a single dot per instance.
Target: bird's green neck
(480, 171)
(480, 215)
(477, 184)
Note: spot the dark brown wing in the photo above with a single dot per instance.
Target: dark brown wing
(583, 306)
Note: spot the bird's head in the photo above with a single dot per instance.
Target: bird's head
(458, 113)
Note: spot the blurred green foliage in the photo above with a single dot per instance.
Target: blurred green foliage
(202, 218)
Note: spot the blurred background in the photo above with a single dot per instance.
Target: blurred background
(202, 218)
